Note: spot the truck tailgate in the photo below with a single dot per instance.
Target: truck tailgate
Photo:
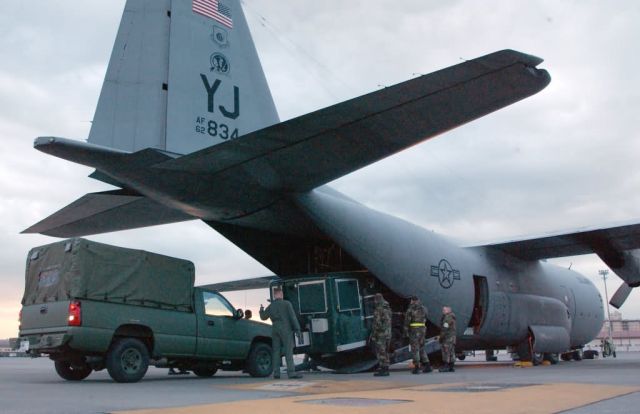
(42, 316)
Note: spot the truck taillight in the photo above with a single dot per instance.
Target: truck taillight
(75, 314)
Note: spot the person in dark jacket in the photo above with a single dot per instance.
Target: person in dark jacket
(284, 324)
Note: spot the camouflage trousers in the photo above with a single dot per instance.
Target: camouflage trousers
(381, 348)
(416, 340)
(448, 351)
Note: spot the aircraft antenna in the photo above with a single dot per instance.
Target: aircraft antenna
(298, 52)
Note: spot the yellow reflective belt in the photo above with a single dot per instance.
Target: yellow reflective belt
(417, 325)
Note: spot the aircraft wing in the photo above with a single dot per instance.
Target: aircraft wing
(618, 246)
(306, 152)
(573, 243)
(245, 284)
(106, 211)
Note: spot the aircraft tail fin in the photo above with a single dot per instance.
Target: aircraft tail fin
(183, 75)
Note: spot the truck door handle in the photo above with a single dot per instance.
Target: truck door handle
(211, 323)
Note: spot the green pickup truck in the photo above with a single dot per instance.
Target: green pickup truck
(90, 306)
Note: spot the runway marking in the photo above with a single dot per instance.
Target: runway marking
(433, 398)
(321, 386)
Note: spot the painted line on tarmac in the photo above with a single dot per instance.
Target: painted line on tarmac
(321, 386)
(479, 398)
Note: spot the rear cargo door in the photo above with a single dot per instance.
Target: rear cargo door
(350, 330)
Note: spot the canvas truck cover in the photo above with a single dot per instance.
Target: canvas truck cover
(81, 269)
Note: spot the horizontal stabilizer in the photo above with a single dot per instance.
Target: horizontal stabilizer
(246, 284)
(314, 149)
(107, 211)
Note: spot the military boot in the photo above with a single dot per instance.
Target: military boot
(451, 367)
(415, 370)
(426, 367)
(382, 372)
(444, 368)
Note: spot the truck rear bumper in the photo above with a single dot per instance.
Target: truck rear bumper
(46, 342)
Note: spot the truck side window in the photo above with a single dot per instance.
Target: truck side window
(214, 305)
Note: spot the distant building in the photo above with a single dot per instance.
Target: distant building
(625, 333)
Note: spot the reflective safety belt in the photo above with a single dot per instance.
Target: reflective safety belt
(417, 325)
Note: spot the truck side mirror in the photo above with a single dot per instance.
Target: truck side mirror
(248, 314)
(239, 314)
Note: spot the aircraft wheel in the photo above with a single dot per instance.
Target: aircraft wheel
(552, 358)
(72, 372)
(577, 355)
(525, 353)
(537, 358)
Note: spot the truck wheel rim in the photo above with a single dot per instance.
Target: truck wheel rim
(131, 361)
(264, 360)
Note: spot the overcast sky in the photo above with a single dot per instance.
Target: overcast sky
(565, 158)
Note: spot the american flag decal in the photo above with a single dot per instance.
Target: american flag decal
(215, 10)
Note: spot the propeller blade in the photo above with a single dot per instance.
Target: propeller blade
(621, 295)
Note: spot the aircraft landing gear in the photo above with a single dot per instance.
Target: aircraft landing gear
(575, 355)
(524, 351)
(552, 358)
(490, 355)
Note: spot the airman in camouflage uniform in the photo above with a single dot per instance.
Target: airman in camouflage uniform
(381, 334)
(448, 339)
(284, 324)
(415, 320)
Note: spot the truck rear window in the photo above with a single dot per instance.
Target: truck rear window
(48, 277)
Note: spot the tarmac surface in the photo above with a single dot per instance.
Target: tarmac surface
(585, 387)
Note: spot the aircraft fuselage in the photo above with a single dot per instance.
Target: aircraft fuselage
(498, 299)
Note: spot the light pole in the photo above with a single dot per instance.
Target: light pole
(604, 274)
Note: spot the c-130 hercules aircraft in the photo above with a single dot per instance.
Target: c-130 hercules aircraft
(186, 128)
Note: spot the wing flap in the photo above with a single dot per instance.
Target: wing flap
(311, 150)
(107, 211)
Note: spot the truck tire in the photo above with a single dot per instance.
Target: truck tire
(205, 372)
(127, 360)
(259, 363)
(71, 372)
